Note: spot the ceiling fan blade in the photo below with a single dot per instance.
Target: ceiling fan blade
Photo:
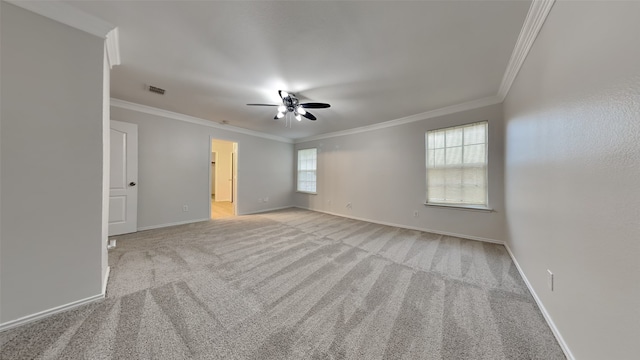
(315, 105)
(309, 116)
(282, 96)
(262, 105)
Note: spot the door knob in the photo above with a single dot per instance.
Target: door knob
(132, 184)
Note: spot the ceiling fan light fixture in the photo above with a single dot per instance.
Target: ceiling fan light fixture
(291, 104)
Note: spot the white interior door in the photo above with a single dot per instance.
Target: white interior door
(123, 187)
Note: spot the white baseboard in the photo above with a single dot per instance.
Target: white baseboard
(545, 313)
(267, 210)
(105, 280)
(477, 238)
(143, 228)
(40, 315)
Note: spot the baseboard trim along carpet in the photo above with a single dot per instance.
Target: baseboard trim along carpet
(402, 226)
(547, 317)
(46, 313)
(143, 228)
(543, 310)
(105, 281)
(298, 284)
(267, 210)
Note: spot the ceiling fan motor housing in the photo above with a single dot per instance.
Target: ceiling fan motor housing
(291, 102)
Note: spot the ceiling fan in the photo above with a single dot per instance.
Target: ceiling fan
(290, 104)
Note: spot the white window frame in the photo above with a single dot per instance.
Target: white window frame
(313, 171)
(461, 204)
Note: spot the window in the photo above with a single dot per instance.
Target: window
(457, 165)
(307, 163)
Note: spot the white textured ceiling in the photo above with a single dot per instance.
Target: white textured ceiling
(373, 61)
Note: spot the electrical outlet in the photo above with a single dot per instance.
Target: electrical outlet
(416, 214)
(266, 199)
(185, 207)
(550, 279)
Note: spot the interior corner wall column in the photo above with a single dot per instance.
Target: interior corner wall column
(51, 165)
(571, 179)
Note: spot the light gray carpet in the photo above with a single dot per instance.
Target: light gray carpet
(297, 284)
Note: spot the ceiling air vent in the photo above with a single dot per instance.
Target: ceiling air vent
(156, 90)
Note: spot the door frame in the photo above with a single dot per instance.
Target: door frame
(234, 174)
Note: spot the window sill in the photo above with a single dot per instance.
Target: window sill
(306, 192)
(462, 207)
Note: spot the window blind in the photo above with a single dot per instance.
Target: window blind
(307, 163)
(457, 165)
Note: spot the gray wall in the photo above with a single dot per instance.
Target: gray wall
(51, 148)
(173, 169)
(106, 166)
(382, 174)
(573, 174)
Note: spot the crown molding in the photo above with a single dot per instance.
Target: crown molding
(470, 105)
(73, 17)
(538, 12)
(67, 15)
(532, 24)
(113, 48)
(193, 120)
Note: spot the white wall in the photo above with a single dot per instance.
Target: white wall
(573, 174)
(382, 174)
(223, 150)
(51, 164)
(174, 169)
(106, 162)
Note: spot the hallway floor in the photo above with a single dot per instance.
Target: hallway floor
(221, 209)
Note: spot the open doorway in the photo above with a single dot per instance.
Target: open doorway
(222, 175)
